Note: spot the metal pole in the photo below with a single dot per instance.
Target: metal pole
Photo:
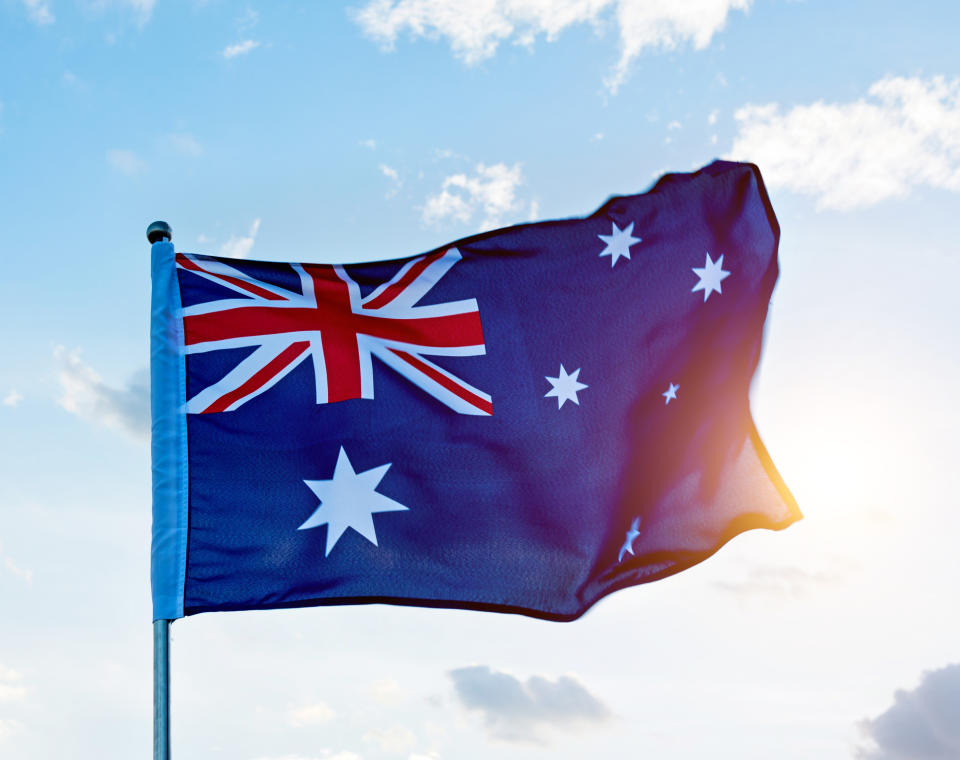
(161, 628)
(161, 689)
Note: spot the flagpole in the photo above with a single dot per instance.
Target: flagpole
(157, 232)
(161, 689)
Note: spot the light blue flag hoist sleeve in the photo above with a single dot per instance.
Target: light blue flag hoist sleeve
(169, 432)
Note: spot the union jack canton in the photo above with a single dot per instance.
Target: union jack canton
(330, 323)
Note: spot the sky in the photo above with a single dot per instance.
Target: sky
(382, 128)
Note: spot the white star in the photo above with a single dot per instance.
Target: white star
(565, 387)
(671, 393)
(711, 275)
(631, 537)
(618, 242)
(348, 500)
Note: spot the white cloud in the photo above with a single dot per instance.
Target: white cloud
(84, 394)
(491, 188)
(125, 161)
(475, 30)
(387, 692)
(905, 133)
(13, 398)
(184, 143)
(597, 137)
(241, 48)
(712, 118)
(240, 247)
(11, 690)
(311, 715)
(369, 143)
(515, 710)
(923, 724)
(10, 693)
(39, 12)
(674, 125)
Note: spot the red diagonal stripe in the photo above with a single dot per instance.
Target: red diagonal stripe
(457, 390)
(261, 376)
(244, 284)
(398, 287)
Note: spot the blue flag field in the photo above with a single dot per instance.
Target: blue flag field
(521, 421)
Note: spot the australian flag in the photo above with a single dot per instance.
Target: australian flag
(521, 421)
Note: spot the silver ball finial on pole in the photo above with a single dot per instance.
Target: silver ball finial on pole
(159, 231)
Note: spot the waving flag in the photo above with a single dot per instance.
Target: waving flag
(582, 422)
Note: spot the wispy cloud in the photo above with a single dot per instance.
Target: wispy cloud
(369, 143)
(21, 573)
(39, 12)
(240, 247)
(779, 582)
(143, 8)
(923, 724)
(13, 398)
(395, 740)
(475, 30)
(492, 189)
(310, 715)
(904, 134)
(8, 728)
(325, 755)
(241, 48)
(184, 144)
(515, 710)
(84, 394)
(395, 182)
(17, 571)
(125, 161)
(247, 20)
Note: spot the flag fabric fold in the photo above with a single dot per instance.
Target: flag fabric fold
(521, 421)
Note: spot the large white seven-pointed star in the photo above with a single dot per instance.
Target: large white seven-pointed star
(618, 242)
(565, 387)
(711, 275)
(348, 500)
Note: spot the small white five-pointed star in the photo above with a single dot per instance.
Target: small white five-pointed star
(348, 500)
(565, 387)
(670, 393)
(711, 275)
(619, 242)
(631, 537)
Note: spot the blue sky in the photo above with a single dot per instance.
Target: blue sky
(372, 130)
